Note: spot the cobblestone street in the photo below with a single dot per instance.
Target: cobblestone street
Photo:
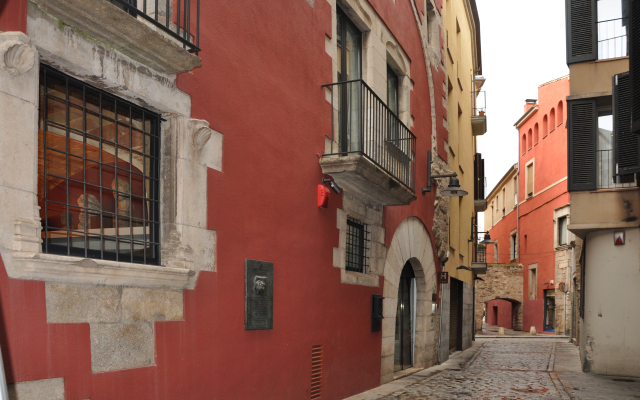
(508, 369)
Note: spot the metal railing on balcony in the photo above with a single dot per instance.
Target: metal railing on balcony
(480, 103)
(365, 125)
(481, 254)
(181, 23)
(606, 178)
(612, 38)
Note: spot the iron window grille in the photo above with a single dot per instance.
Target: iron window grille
(357, 257)
(98, 161)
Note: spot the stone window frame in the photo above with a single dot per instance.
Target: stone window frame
(371, 215)
(526, 178)
(379, 49)
(188, 148)
(564, 211)
(513, 245)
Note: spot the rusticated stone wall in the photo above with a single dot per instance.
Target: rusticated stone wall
(502, 281)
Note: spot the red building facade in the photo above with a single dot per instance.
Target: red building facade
(246, 133)
(533, 230)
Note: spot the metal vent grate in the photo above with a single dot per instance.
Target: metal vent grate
(316, 372)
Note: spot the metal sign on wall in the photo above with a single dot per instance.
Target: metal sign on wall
(443, 277)
(258, 295)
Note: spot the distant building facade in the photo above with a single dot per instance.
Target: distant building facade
(528, 213)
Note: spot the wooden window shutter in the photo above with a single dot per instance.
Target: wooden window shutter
(634, 64)
(583, 122)
(626, 145)
(478, 171)
(582, 38)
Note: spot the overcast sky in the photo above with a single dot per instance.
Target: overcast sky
(523, 46)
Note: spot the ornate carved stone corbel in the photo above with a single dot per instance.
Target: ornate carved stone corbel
(16, 54)
(199, 133)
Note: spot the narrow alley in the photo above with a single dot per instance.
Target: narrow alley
(508, 369)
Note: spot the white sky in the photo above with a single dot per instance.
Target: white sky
(523, 46)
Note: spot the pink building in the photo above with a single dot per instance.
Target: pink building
(531, 207)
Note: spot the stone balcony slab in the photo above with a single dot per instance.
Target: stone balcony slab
(117, 29)
(360, 176)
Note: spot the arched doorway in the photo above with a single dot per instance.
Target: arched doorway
(411, 250)
(405, 320)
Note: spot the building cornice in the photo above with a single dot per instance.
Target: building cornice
(526, 116)
(508, 175)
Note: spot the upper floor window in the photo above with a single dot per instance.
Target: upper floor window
(545, 126)
(606, 172)
(562, 231)
(392, 103)
(613, 25)
(535, 134)
(552, 118)
(524, 144)
(513, 242)
(530, 179)
(596, 29)
(98, 160)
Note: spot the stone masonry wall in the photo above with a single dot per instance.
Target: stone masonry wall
(467, 315)
(563, 274)
(502, 281)
(121, 320)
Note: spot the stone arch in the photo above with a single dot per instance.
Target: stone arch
(516, 309)
(411, 243)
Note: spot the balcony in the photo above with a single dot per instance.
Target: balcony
(153, 33)
(479, 119)
(612, 38)
(371, 153)
(479, 182)
(479, 266)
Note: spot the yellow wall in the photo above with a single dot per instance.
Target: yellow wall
(460, 62)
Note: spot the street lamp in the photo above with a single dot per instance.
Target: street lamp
(487, 238)
(453, 190)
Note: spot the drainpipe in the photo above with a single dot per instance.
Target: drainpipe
(518, 209)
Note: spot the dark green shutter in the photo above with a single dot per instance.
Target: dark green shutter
(625, 144)
(634, 64)
(583, 122)
(582, 38)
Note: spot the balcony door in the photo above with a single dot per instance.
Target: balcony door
(349, 40)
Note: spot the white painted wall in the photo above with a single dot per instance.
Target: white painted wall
(612, 304)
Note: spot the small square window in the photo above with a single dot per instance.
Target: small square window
(357, 246)
(97, 194)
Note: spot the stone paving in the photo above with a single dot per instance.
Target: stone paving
(508, 369)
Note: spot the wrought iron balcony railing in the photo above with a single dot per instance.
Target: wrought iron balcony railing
(368, 127)
(481, 254)
(612, 38)
(178, 23)
(606, 177)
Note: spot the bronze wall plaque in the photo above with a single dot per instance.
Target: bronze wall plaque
(258, 295)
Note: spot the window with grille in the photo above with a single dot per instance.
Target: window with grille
(357, 245)
(98, 160)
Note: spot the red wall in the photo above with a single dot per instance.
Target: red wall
(260, 85)
(533, 315)
(13, 15)
(534, 216)
(500, 313)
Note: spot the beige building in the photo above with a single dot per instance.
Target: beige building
(466, 119)
(603, 181)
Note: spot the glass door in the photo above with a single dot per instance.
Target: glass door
(403, 355)
(549, 310)
(349, 41)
